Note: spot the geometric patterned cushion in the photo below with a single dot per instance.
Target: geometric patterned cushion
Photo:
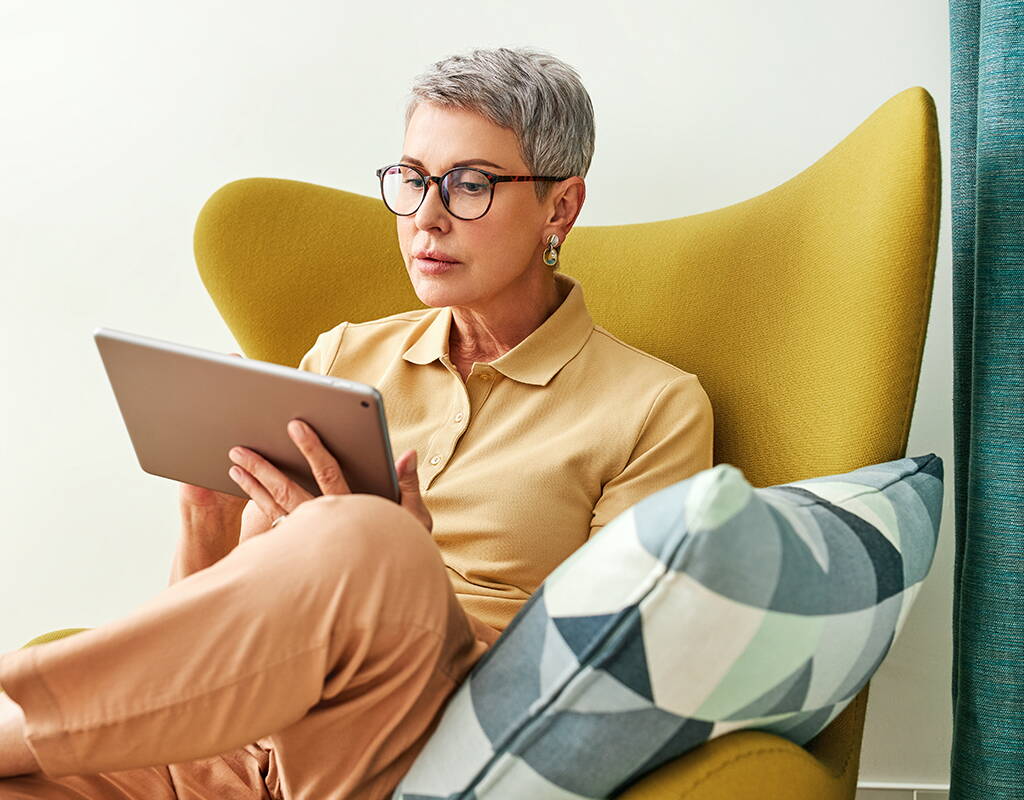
(707, 607)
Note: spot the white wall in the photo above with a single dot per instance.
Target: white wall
(118, 119)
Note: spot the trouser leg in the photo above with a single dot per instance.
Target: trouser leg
(234, 775)
(327, 610)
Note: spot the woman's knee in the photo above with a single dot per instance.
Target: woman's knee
(365, 557)
(358, 526)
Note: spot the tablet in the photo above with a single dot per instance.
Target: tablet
(185, 408)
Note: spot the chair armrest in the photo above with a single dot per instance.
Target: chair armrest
(52, 636)
(739, 765)
(762, 765)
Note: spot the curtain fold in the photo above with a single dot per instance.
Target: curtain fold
(987, 187)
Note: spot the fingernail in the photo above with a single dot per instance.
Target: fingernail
(412, 461)
(296, 428)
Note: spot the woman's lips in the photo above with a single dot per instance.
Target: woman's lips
(433, 266)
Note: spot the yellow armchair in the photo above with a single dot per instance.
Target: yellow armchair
(803, 310)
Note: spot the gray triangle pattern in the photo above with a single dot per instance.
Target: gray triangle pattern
(557, 661)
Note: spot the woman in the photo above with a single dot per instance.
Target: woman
(306, 646)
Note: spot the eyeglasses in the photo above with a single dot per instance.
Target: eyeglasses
(466, 192)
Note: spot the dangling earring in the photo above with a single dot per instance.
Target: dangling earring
(551, 254)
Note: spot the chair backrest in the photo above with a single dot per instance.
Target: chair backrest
(803, 310)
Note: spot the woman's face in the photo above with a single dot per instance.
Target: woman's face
(489, 253)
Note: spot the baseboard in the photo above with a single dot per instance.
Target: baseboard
(889, 790)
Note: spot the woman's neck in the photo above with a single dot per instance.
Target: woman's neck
(486, 331)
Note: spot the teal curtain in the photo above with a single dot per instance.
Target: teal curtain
(987, 185)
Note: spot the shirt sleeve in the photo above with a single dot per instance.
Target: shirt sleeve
(324, 352)
(675, 442)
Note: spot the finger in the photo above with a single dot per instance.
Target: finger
(257, 491)
(325, 467)
(284, 491)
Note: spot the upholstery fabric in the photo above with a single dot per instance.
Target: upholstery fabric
(708, 607)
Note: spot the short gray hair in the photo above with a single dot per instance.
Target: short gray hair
(538, 96)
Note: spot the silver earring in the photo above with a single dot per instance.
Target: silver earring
(551, 254)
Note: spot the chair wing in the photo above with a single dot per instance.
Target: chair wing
(803, 310)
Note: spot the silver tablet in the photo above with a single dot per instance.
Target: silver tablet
(185, 407)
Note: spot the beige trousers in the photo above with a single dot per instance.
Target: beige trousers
(312, 662)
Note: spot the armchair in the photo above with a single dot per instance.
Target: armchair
(803, 310)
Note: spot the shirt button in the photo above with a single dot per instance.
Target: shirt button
(435, 459)
(485, 376)
(458, 417)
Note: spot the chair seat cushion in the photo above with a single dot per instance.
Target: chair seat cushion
(708, 607)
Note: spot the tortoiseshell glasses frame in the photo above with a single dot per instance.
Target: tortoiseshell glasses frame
(444, 186)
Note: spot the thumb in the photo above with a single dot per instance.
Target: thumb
(408, 477)
(409, 484)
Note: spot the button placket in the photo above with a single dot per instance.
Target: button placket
(444, 439)
(447, 437)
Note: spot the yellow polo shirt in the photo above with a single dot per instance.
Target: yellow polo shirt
(524, 461)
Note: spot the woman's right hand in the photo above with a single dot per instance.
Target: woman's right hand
(205, 512)
(210, 525)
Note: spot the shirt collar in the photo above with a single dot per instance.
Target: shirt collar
(539, 356)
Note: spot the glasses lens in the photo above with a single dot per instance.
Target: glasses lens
(402, 189)
(468, 192)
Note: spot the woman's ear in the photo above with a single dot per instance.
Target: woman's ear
(566, 200)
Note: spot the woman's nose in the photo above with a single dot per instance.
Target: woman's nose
(432, 213)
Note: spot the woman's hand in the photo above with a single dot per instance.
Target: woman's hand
(273, 493)
(208, 515)
(210, 524)
(409, 483)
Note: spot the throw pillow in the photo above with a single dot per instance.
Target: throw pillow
(708, 607)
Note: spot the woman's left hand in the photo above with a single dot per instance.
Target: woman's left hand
(273, 493)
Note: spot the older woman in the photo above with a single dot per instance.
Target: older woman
(306, 646)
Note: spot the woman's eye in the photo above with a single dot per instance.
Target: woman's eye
(471, 188)
(416, 183)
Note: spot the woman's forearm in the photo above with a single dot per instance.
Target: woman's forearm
(15, 756)
(192, 556)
